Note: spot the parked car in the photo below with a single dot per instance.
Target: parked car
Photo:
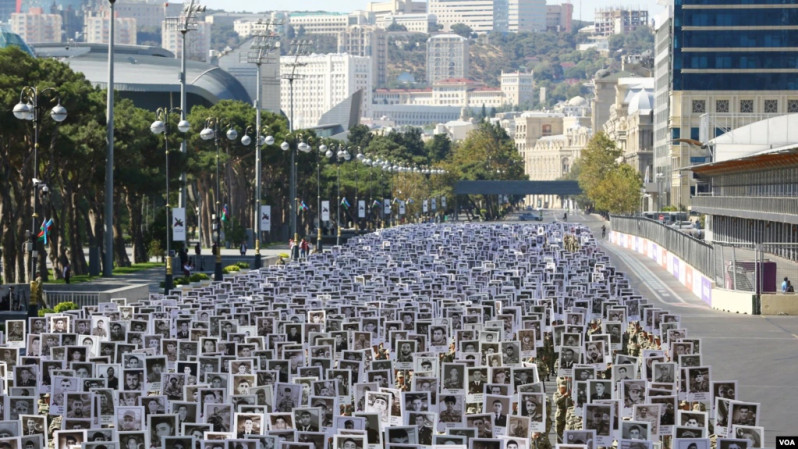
(530, 217)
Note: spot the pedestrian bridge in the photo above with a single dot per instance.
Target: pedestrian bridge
(562, 188)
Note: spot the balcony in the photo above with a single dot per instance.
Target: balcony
(778, 209)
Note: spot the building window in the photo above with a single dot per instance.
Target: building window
(771, 106)
(722, 106)
(747, 106)
(699, 106)
(792, 105)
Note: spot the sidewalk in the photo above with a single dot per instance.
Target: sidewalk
(154, 276)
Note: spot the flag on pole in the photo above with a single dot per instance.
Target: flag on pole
(375, 203)
(45, 230)
(345, 203)
(225, 213)
(302, 206)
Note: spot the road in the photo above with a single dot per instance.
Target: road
(760, 352)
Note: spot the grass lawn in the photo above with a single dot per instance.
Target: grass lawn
(118, 270)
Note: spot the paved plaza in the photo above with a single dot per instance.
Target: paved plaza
(486, 335)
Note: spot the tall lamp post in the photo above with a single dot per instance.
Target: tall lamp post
(268, 140)
(294, 202)
(31, 110)
(322, 150)
(190, 11)
(161, 126)
(341, 156)
(360, 157)
(108, 209)
(211, 131)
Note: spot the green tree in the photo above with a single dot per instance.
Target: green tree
(461, 29)
(487, 153)
(438, 148)
(609, 185)
(396, 27)
(619, 192)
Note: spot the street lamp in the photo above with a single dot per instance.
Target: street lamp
(341, 156)
(246, 140)
(29, 109)
(322, 150)
(293, 204)
(161, 126)
(187, 22)
(211, 131)
(360, 157)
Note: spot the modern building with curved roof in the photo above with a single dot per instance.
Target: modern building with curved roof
(9, 38)
(150, 76)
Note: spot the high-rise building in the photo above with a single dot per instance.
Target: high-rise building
(98, 29)
(367, 41)
(198, 40)
(320, 83)
(732, 66)
(148, 14)
(235, 63)
(447, 57)
(484, 16)
(35, 26)
(559, 18)
(611, 21)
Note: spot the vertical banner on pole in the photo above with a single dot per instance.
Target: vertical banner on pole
(361, 209)
(178, 224)
(265, 218)
(434, 204)
(401, 207)
(425, 206)
(387, 206)
(325, 210)
(443, 202)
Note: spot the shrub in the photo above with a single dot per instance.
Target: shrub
(43, 312)
(242, 264)
(196, 277)
(230, 268)
(181, 281)
(64, 306)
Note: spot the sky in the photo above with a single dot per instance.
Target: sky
(583, 9)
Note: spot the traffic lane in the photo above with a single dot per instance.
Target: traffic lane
(759, 352)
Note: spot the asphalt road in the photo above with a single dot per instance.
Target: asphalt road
(760, 352)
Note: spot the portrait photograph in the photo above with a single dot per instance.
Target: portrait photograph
(754, 435)
(691, 443)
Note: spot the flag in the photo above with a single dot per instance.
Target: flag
(345, 203)
(410, 201)
(302, 206)
(395, 200)
(45, 230)
(225, 213)
(375, 203)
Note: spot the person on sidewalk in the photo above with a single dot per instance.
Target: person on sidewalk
(66, 272)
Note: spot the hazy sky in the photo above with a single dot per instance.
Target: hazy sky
(587, 7)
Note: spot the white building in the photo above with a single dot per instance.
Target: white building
(559, 18)
(395, 7)
(447, 57)
(367, 41)
(198, 41)
(328, 23)
(414, 23)
(484, 16)
(37, 27)
(518, 87)
(323, 81)
(455, 92)
(98, 29)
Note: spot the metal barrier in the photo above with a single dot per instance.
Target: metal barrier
(80, 298)
(694, 252)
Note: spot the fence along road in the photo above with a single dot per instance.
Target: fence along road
(761, 353)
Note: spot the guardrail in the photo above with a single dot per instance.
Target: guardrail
(81, 298)
(766, 205)
(698, 254)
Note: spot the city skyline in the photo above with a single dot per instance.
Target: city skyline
(583, 9)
